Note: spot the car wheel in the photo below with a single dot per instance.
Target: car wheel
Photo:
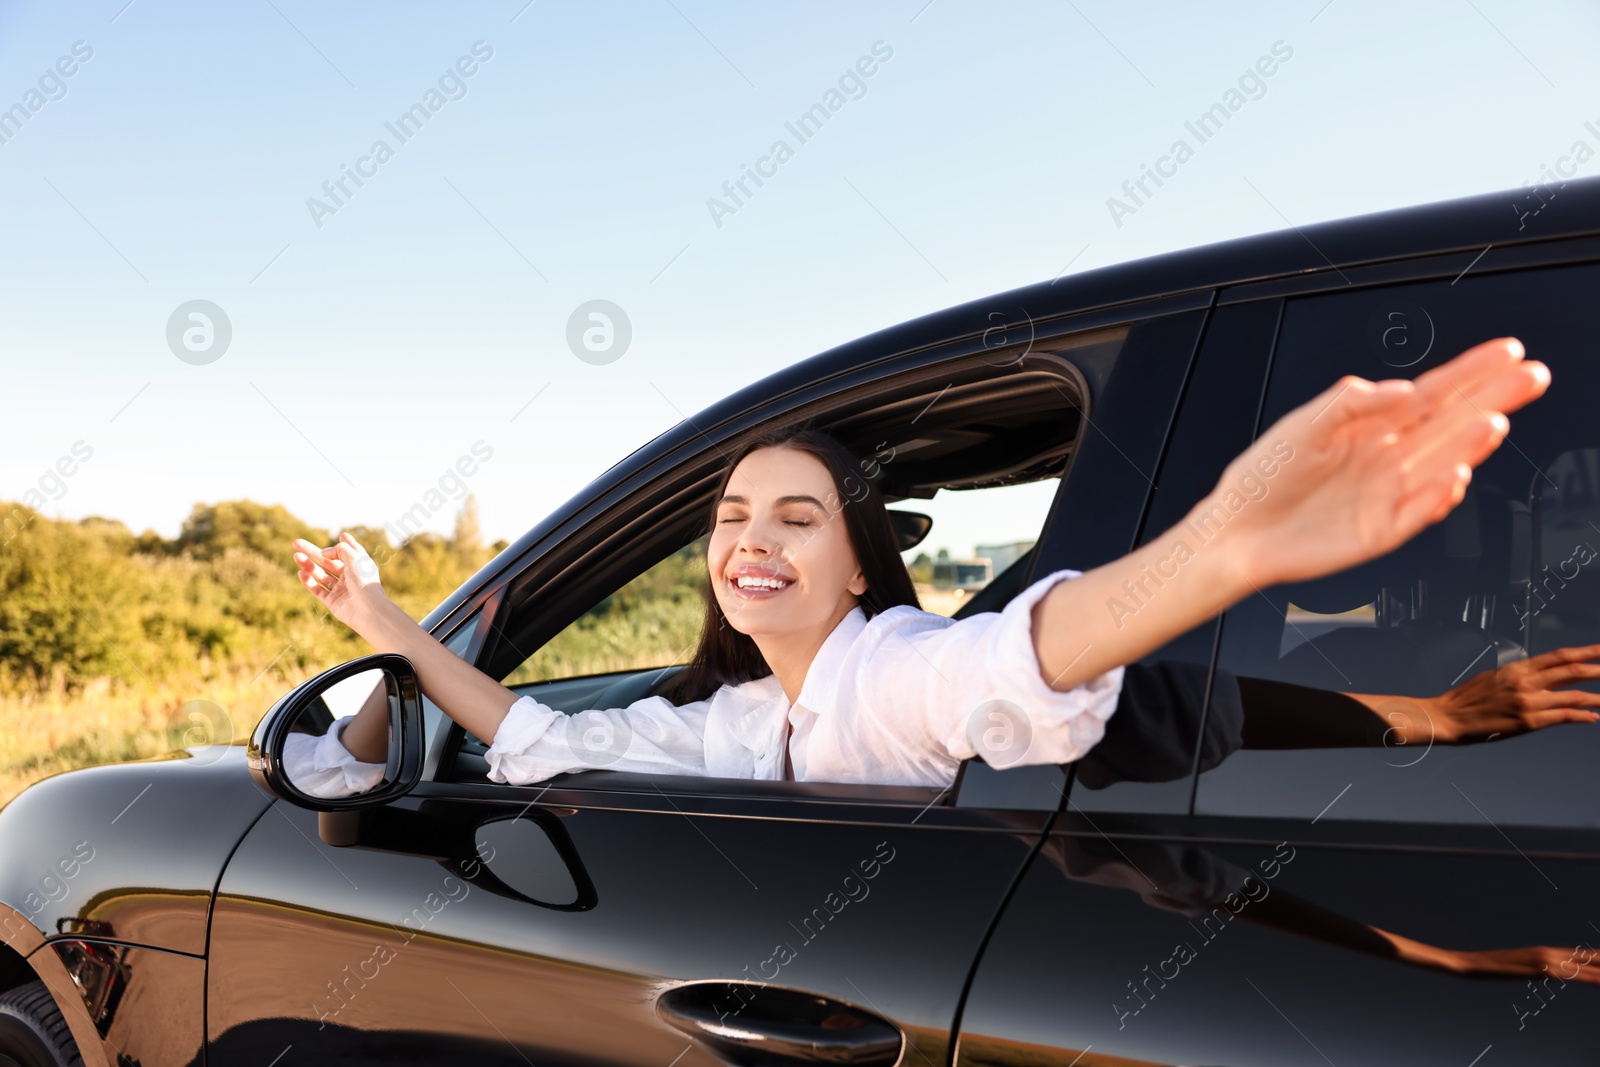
(32, 1031)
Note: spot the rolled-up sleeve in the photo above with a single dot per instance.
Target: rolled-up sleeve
(974, 686)
(535, 741)
(322, 767)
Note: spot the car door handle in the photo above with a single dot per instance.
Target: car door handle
(770, 1026)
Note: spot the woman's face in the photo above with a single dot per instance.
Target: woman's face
(780, 554)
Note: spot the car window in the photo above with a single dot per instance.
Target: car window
(607, 656)
(968, 456)
(652, 621)
(977, 534)
(1364, 695)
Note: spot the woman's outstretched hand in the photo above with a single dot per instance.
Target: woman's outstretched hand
(1350, 476)
(342, 576)
(1363, 467)
(345, 579)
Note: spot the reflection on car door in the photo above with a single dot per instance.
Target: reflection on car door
(1350, 903)
(548, 925)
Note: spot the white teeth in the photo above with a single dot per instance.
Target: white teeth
(760, 583)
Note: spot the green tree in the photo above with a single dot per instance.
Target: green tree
(267, 529)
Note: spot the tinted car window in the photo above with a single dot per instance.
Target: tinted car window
(1511, 573)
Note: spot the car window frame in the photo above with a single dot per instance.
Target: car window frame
(1246, 332)
(1065, 333)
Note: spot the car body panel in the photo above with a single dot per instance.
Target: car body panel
(144, 842)
(865, 904)
(1079, 965)
(140, 1002)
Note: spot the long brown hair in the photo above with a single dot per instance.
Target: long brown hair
(727, 657)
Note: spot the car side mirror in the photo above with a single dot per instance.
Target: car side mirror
(297, 751)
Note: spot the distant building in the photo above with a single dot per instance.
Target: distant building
(1004, 555)
(962, 575)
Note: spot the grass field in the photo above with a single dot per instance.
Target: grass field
(43, 733)
(106, 720)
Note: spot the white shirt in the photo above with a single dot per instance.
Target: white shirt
(322, 766)
(898, 699)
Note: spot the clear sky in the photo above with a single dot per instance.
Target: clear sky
(376, 338)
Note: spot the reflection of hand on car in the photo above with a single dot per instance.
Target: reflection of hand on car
(1293, 914)
(1505, 701)
(1195, 881)
(1495, 704)
(1151, 736)
(1536, 961)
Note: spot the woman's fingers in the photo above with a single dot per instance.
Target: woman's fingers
(1512, 389)
(1352, 398)
(1490, 377)
(335, 573)
(1435, 411)
(318, 566)
(1471, 370)
(316, 576)
(310, 563)
(1460, 436)
(321, 591)
(1538, 720)
(1487, 378)
(329, 559)
(1429, 503)
(307, 567)
(310, 551)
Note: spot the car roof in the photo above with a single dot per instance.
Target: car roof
(1467, 224)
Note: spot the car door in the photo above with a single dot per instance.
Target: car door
(623, 918)
(1341, 885)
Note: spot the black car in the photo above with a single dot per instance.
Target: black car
(1193, 892)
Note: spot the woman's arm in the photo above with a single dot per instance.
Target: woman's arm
(345, 579)
(529, 741)
(1349, 476)
(366, 736)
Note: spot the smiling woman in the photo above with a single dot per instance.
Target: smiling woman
(816, 663)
